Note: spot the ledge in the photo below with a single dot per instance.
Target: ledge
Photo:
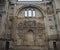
(6, 39)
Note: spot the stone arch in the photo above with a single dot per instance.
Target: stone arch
(30, 6)
(30, 30)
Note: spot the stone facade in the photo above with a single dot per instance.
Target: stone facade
(38, 32)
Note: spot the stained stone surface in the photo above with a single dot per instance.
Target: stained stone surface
(39, 32)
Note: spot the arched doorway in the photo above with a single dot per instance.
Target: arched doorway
(30, 37)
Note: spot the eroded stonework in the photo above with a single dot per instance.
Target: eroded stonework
(29, 26)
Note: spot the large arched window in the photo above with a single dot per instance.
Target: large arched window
(30, 12)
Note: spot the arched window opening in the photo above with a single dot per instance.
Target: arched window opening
(29, 13)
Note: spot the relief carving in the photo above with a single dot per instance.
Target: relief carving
(30, 23)
(49, 9)
(30, 37)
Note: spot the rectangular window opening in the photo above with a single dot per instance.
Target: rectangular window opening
(29, 13)
(33, 13)
(26, 13)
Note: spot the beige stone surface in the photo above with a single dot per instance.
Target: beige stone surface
(38, 32)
